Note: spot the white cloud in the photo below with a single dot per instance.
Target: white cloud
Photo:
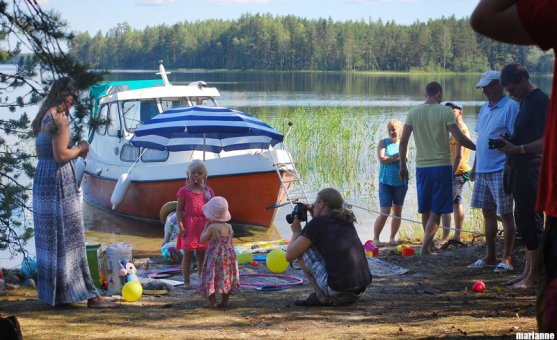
(156, 2)
(240, 2)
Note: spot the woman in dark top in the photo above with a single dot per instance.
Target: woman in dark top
(330, 252)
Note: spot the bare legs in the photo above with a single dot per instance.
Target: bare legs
(320, 295)
(529, 274)
(380, 224)
(509, 232)
(490, 225)
(458, 209)
(213, 300)
(382, 219)
(395, 222)
(200, 255)
(430, 223)
(186, 265)
(490, 220)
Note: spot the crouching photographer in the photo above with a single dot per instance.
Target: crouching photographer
(329, 252)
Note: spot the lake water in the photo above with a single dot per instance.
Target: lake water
(267, 94)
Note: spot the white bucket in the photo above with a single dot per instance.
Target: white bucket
(113, 254)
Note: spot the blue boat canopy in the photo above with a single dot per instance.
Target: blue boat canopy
(100, 90)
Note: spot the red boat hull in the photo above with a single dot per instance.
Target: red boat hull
(248, 195)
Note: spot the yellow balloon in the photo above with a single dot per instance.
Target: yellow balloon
(244, 258)
(132, 291)
(276, 261)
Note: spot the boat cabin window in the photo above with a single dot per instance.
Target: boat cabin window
(114, 121)
(137, 112)
(170, 103)
(153, 155)
(129, 153)
(203, 101)
(101, 130)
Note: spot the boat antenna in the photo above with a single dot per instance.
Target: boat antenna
(163, 74)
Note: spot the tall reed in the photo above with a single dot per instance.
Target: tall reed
(336, 147)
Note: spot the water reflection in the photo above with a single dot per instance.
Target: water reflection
(105, 227)
(330, 88)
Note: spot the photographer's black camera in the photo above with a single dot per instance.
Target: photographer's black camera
(498, 143)
(299, 210)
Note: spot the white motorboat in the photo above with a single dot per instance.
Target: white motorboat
(251, 180)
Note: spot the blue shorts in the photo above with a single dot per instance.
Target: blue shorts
(390, 195)
(435, 189)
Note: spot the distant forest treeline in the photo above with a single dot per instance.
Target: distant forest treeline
(266, 42)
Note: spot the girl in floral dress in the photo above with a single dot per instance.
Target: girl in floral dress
(189, 212)
(220, 270)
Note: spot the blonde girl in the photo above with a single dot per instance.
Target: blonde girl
(189, 212)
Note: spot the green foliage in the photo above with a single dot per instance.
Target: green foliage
(42, 34)
(266, 42)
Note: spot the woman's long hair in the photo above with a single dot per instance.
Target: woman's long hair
(60, 89)
(334, 201)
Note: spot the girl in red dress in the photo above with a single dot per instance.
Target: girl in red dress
(189, 213)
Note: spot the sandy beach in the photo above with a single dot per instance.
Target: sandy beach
(433, 299)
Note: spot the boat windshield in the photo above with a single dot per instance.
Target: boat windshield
(170, 103)
(137, 112)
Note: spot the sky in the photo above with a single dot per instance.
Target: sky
(95, 15)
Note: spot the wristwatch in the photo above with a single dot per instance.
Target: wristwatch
(522, 149)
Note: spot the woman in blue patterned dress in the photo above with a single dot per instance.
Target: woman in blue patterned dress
(392, 190)
(63, 272)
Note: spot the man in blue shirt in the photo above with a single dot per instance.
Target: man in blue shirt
(496, 118)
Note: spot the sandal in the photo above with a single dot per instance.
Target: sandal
(311, 300)
(478, 264)
(451, 242)
(503, 267)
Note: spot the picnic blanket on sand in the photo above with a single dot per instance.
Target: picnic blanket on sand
(381, 268)
(172, 274)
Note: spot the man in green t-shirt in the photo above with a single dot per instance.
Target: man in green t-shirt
(431, 123)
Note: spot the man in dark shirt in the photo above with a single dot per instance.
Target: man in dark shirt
(330, 252)
(522, 170)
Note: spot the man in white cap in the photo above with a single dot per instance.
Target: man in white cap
(496, 118)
